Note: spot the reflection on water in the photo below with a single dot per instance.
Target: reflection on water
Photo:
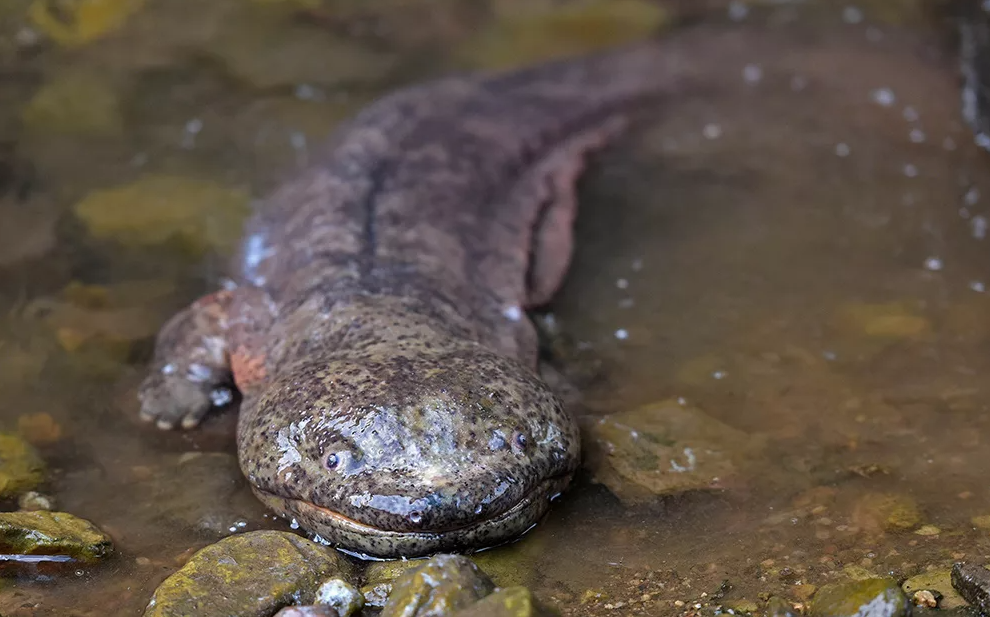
(798, 252)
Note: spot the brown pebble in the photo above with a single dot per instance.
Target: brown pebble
(925, 598)
(320, 610)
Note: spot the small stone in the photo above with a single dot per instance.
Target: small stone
(33, 500)
(249, 575)
(307, 611)
(924, 598)
(52, 533)
(340, 595)
(982, 521)
(877, 597)
(928, 530)
(440, 586)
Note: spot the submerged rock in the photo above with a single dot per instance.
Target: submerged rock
(438, 587)
(74, 104)
(889, 512)
(874, 597)
(156, 209)
(505, 602)
(52, 533)
(248, 575)
(524, 34)
(662, 449)
(201, 491)
(21, 467)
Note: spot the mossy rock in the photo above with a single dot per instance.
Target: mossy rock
(21, 467)
(438, 587)
(875, 597)
(53, 533)
(249, 575)
(935, 580)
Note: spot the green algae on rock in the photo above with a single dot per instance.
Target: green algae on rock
(505, 602)
(21, 467)
(249, 575)
(874, 597)
(156, 209)
(661, 449)
(438, 587)
(379, 577)
(52, 533)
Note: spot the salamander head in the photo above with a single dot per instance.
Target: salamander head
(409, 455)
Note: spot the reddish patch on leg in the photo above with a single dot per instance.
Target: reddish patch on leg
(248, 369)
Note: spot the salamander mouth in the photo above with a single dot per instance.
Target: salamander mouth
(369, 541)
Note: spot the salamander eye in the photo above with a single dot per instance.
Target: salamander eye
(330, 461)
(519, 441)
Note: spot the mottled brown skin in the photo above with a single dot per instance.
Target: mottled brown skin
(376, 329)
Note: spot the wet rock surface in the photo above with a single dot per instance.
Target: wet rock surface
(440, 586)
(53, 533)
(872, 597)
(973, 584)
(249, 575)
(341, 596)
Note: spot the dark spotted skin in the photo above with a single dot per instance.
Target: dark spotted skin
(376, 325)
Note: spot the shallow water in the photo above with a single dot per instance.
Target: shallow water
(798, 250)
